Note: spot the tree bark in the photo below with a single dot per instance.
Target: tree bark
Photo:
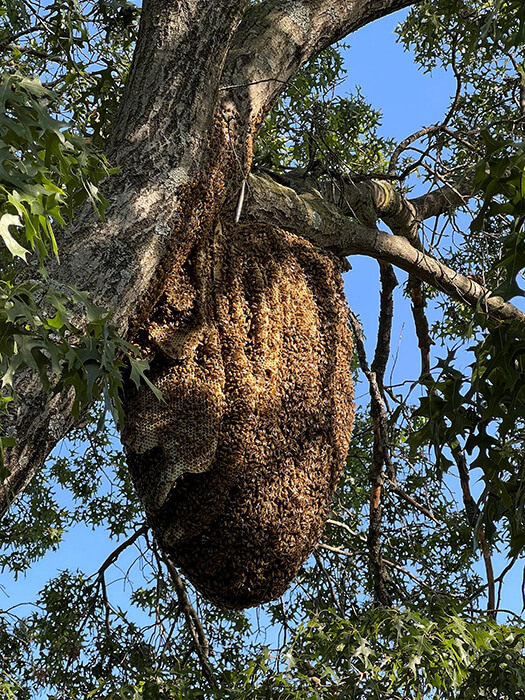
(161, 144)
(277, 37)
(317, 219)
(203, 77)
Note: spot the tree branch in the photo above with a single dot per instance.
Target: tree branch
(384, 331)
(192, 620)
(370, 200)
(472, 511)
(420, 323)
(442, 199)
(330, 581)
(311, 216)
(379, 198)
(394, 486)
(115, 554)
(392, 166)
(387, 562)
(380, 459)
(276, 38)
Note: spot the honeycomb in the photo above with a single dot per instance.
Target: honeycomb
(237, 465)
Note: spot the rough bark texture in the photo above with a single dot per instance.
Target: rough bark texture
(204, 75)
(277, 37)
(175, 177)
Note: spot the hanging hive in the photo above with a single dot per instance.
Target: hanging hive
(237, 466)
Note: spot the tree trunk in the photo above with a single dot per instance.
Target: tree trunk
(204, 75)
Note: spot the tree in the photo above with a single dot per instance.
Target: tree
(228, 111)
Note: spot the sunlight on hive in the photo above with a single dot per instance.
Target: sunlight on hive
(237, 467)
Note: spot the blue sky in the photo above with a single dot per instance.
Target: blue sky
(408, 99)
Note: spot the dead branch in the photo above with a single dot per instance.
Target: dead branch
(115, 554)
(403, 145)
(419, 506)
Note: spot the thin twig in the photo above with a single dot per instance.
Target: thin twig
(193, 622)
(346, 527)
(377, 400)
(240, 202)
(8, 40)
(253, 82)
(425, 131)
(380, 458)
(402, 494)
(473, 516)
(387, 562)
(499, 579)
(421, 323)
(320, 564)
(112, 558)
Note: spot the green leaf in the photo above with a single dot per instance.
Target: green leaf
(7, 220)
(137, 376)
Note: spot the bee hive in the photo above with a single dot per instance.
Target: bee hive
(237, 466)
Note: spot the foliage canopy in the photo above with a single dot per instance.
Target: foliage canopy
(405, 619)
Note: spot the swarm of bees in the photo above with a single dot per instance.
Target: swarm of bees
(237, 465)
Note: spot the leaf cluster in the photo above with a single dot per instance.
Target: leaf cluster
(81, 49)
(326, 638)
(47, 172)
(315, 128)
(482, 415)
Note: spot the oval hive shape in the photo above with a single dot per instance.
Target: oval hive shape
(237, 466)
